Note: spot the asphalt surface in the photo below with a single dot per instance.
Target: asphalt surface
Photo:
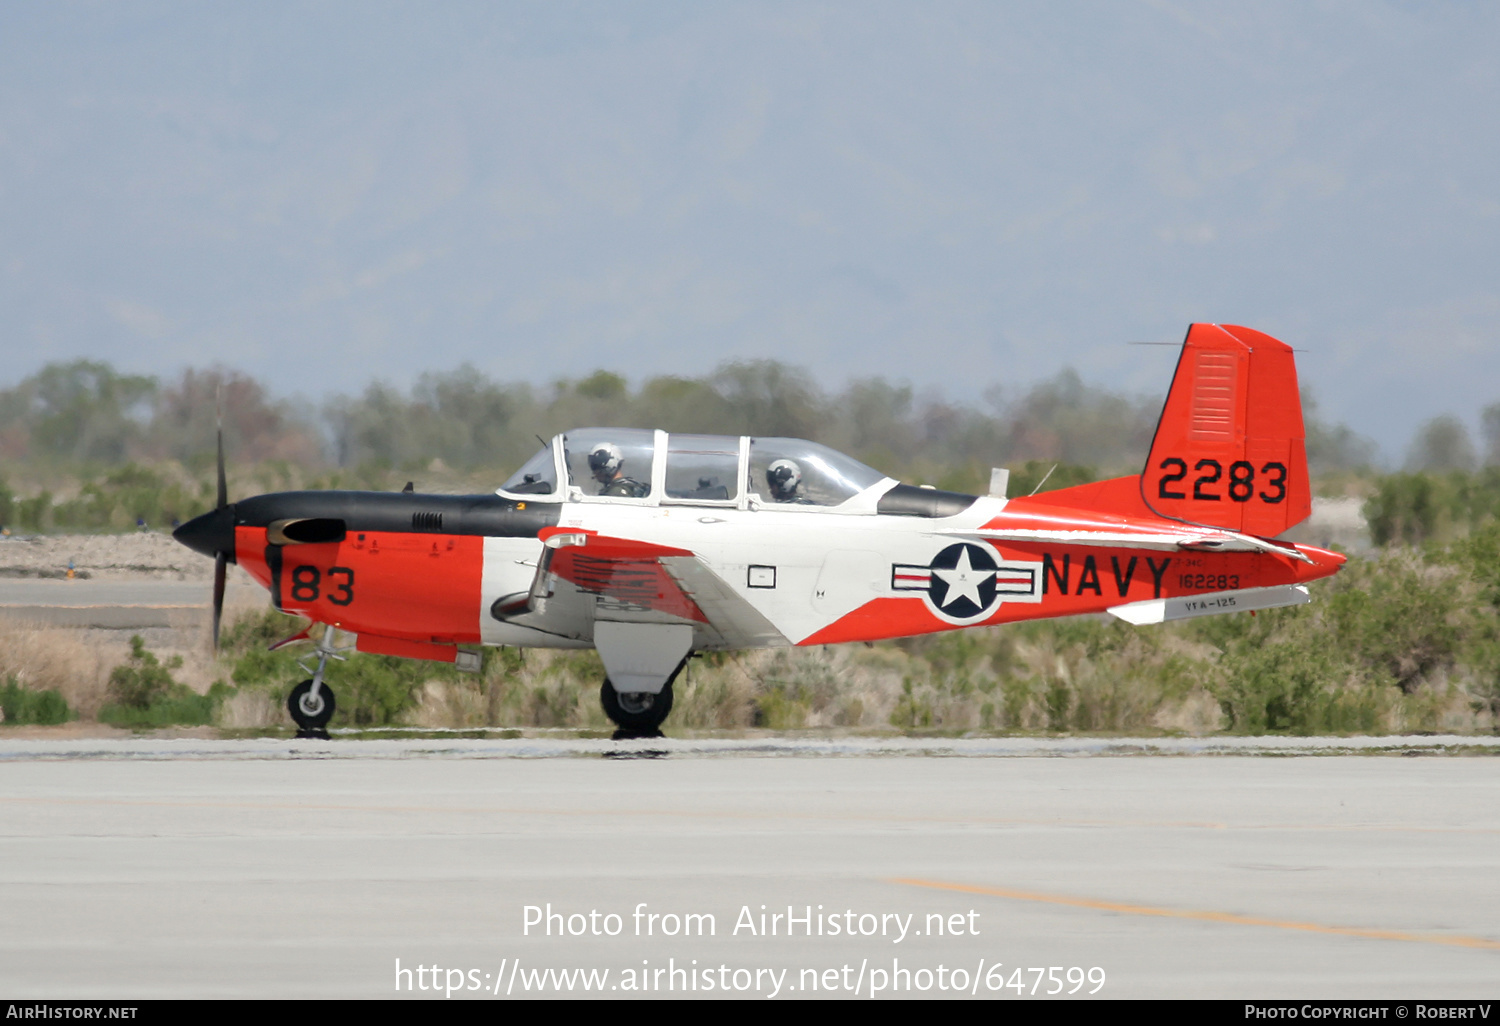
(275, 869)
(114, 604)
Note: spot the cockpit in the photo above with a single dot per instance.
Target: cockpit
(642, 467)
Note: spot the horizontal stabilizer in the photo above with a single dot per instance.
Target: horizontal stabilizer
(1211, 604)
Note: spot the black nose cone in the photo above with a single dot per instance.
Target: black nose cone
(209, 534)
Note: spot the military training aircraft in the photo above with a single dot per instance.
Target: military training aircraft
(650, 546)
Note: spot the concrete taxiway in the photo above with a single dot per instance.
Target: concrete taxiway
(115, 604)
(154, 868)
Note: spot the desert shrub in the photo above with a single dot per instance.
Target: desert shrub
(539, 688)
(1478, 557)
(128, 493)
(25, 706)
(1404, 510)
(143, 693)
(143, 679)
(374, 690)
(1400, 617)
(716, 690)
(797, 687)
(1280, 673)
(1423, 508)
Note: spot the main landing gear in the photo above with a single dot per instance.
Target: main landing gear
(311, 703)
(638, 714)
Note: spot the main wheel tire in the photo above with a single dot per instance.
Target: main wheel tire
(309, 712)
(636, 710)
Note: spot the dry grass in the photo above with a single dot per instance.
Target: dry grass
(76, 664)
(248, 709)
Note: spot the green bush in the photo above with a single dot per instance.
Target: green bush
(142, 693)
(1399, 618)
(1282, 672)
(35, 513)
(24, 706)
(1404, 510)
(1478, 556)
(1423, 508)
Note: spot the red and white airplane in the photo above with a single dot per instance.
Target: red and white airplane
(649, 546)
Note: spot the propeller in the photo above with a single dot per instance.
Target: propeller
(221, 558)
(213, 535)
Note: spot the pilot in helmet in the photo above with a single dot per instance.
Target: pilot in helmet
(607, 463)
(784, 478)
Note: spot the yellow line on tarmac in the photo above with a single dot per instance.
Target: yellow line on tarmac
(1453, 940)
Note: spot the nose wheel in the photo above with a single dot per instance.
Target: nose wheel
(311, 709)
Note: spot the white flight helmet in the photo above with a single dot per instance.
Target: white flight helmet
(784, 476)
(605, 460)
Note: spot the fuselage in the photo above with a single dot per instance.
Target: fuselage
(451, 570)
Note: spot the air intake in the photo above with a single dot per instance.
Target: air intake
(426, 521)
(305, 531)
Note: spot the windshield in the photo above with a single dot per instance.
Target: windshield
(538, 476)
(795, 472)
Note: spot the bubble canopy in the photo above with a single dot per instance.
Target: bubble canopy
(805, 473)
(635, 466)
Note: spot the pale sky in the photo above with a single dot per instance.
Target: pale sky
(953, 194)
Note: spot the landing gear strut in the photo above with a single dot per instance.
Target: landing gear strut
(311, 703)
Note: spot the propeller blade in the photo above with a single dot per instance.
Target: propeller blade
(221, 569)
(221, 557)
(223, 485)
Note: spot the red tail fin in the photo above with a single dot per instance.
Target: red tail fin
(1229, 449)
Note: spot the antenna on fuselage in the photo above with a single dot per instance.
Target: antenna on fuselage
(1042, 481)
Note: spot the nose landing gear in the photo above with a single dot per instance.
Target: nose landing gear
(311, 703)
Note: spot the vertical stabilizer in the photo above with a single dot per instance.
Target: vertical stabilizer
(1229, 450)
